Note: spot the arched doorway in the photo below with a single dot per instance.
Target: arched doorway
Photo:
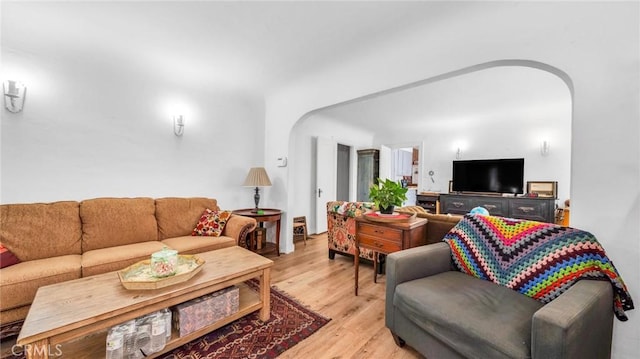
(499, 109)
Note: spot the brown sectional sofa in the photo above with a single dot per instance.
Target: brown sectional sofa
(60, 241)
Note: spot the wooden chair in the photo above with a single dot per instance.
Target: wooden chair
(300, 228)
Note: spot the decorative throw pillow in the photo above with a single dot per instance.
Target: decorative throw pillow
(7, 258)
(211, 223)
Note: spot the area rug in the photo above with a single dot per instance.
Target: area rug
(249, 337)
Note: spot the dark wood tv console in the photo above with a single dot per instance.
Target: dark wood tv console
(533, 208)
(428, 201)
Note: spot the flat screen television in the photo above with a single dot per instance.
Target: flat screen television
(489, 176)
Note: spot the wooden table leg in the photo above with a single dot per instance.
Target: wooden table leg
(278, 237)
(356, 261)
(254, 240)
(39, 349)
(375, 267)
(265, 294)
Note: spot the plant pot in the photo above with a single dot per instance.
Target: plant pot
(387, 210)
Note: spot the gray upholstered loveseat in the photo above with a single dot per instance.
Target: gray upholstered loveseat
(443, 313)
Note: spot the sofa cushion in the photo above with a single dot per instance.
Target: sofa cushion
(21, 281)
(350, 209)
(211, 223)
(110, 222)
(178, 216)
(41, 230)
(439, 225)
(14, 314)
(7, 258)
(497, 324)
(104, 260)
(197, 244)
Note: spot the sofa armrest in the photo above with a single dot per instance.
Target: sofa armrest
(577, 324)
(238, 227)
(417, 262)
(413, 263)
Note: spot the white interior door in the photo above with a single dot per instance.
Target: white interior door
(385, 163)
(326, 161)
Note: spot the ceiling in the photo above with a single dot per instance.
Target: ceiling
(261, 45)
(481, 98)
(230, 44)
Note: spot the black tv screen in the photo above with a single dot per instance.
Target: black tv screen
(491, 176)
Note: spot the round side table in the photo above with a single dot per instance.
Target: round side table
(261, 216)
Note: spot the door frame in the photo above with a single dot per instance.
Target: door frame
(413, 144)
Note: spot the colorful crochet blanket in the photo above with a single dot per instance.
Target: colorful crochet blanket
(540, 260)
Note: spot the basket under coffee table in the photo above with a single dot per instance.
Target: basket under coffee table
(70, 319)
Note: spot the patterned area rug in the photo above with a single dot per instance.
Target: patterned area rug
(249, 337)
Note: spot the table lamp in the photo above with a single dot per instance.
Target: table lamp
(257, 178)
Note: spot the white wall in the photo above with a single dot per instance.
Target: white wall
(497, 112)
(303, 161)
(94, 131)
(502, 137)
(595, 44)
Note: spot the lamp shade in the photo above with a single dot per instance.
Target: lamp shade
(257, 177)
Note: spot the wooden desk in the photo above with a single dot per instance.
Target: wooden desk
(266, 215)
(386, 238)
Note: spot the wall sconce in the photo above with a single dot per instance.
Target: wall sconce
(544, 148)
(14, 92)
(458, 154)
(178, 125)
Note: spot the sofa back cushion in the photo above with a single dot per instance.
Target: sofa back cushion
(41, 230)
(178, 216)
(109, 222)
(438, 225)
(349, 209)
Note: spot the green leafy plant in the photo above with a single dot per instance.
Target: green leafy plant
(387, 194)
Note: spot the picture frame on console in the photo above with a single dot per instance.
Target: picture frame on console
(547, 189)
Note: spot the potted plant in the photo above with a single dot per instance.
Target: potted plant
(387, 194)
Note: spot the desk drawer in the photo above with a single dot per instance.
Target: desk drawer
(456, 204)
(379, 244)
(530, 209)
(381, 232)
(495, 206)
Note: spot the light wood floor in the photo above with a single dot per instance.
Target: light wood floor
(356, 329)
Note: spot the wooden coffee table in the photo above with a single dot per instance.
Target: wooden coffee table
(70, 319)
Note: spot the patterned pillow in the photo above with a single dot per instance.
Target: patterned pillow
(211, 223)
(7, 258)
